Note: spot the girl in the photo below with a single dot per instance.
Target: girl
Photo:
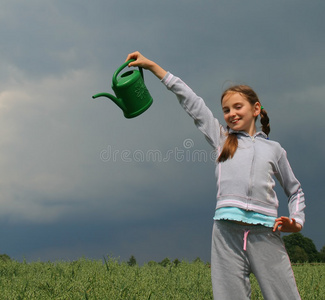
(246, 231)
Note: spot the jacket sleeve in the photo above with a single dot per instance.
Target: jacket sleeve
(292, 188)
(196, 108)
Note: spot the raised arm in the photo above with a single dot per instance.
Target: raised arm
(143, 62)
(193, 104)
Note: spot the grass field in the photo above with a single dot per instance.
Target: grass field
(111, 279)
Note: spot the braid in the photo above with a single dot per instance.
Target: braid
(265, 121)
(229, 148)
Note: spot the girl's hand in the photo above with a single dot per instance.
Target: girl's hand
(284, 224)
(140, 60)
(145, 63)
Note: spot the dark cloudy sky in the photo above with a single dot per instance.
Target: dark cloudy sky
(78, 179)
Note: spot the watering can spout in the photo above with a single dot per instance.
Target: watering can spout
(117, 101)
(132, 96)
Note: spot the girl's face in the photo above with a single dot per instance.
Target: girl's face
(239, 114)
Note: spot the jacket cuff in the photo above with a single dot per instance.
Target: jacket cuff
(167, 80)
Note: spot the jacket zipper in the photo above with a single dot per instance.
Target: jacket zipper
(250, 186)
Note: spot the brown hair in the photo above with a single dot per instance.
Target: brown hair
(231, 143)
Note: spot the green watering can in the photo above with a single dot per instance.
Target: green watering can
(131, 93)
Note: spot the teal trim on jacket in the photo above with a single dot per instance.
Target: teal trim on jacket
(238, 214)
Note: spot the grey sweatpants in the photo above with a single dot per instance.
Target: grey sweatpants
(238, 250)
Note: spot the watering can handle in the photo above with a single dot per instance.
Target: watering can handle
(121, 68)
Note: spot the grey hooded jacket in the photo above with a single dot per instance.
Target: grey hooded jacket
(245, 181)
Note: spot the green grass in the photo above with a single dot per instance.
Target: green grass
(111, 279)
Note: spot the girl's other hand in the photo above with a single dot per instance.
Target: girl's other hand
(284, 224)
